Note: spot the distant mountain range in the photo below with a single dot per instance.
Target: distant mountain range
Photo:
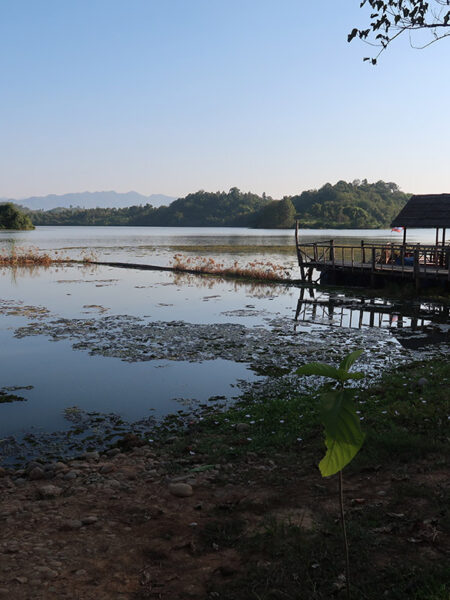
(93, 200)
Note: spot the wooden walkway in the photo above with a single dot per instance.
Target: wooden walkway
(374, 264)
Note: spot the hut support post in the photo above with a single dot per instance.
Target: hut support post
(299, 254)
(372, 275)
(302, 268)
(404, 236)
(443, 248)
(373, 260)
(436, 255)
(416, 267)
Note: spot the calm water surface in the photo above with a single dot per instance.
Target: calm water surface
(157, 245)
(64, 377)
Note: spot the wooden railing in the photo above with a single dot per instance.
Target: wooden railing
(382, 256)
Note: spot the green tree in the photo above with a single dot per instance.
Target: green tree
(12, 218)
(350, 205)
(279, 214)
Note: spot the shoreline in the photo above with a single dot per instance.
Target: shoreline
(205, 510)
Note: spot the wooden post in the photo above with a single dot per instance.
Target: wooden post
(416, 267)
(316, 254)
(373, 260)
(299, 303)
(404, 236)
(296, 234)
(332, 252)
(443, 247)
(372, 275)
(353, 256)
(363, 252)
(302, 268)
(437, 244)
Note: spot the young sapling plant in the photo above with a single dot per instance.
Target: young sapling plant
(343, 435)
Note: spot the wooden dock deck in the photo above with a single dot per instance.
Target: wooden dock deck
(374, 264)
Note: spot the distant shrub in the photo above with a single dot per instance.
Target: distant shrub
(12, 218)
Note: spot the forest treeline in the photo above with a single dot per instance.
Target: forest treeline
(358, 204)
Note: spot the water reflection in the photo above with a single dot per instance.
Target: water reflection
(16, 272)
(253, 288)
(415, 325)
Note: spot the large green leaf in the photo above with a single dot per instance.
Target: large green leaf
(343, 435)
(344, 375)
(320, 369)
(323, 370)
(348, 360)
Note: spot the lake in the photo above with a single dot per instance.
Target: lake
(158, 244)
(86, 350)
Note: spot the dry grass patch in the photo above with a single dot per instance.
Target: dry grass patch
(33, 257)
(257, 269)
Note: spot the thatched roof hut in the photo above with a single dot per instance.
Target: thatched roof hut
(427, 211)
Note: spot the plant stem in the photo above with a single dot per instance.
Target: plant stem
(344, 536)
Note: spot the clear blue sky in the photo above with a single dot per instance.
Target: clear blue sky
(172, 96)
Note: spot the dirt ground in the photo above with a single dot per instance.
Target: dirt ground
(116, 528)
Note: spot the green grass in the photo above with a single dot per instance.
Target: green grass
(398, 541)
(286, 562)
(402, 421)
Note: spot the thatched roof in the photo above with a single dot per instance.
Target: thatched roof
(425, 212)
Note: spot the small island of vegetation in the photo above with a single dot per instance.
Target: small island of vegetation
(12, 218)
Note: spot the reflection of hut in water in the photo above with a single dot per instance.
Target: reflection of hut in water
(377, 263)
(414, 325)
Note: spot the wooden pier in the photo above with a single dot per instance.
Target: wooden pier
(374, 265)
(367, 264)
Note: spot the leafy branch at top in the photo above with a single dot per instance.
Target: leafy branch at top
(392, 18)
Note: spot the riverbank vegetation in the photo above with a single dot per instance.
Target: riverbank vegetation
(358, 204)
(17, 256)
(256, 270)
(26, 257)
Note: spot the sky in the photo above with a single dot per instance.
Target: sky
(173, 96)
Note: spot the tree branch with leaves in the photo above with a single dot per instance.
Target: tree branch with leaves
(392, 18)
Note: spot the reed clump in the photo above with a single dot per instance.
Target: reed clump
(257, 269)
(29, 257)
